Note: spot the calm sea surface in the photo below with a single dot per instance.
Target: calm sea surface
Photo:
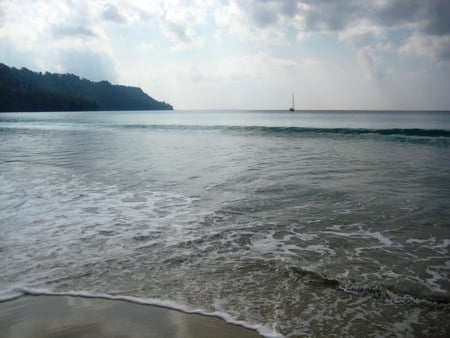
(297, 224)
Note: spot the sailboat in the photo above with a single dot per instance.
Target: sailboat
(293, 104)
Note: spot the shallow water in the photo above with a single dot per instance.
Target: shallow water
(300, 224)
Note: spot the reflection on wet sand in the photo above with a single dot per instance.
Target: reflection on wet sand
(70, 317)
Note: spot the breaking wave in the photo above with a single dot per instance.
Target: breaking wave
(390, 295)
(411, 132)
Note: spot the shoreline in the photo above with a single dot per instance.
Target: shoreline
(75, 316)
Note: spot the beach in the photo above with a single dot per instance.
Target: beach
(68, 316)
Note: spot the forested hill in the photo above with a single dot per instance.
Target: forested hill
(24, 90)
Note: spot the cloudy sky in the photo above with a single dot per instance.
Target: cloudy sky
(243, 54)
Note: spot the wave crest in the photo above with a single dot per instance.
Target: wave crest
(410, 132)
(373, 291)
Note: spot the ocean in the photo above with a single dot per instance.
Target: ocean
(303, 224)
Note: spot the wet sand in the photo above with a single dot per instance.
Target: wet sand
(70, 317)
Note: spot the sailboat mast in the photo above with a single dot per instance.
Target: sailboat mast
(293, 104)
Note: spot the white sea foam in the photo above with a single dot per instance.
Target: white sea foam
(406, 327)
(438, 275)
(364, 234)
(322, 249)
(440, 246)
(381, 238)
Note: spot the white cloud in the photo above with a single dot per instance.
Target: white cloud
(435, 48)
(183, 23)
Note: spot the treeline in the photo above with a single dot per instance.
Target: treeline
(24, 90)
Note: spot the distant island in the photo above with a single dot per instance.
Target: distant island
(22, 90)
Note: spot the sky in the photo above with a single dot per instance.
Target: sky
(246, 54)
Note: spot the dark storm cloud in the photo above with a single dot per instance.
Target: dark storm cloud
(423, 24)
(394, 13)
(111, 13)
(430, 17)
(338, 15)
(438, 18)
(426, 16)
(330, 16)
(444, 54)
(289, 8)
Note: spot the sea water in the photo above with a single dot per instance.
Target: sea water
(312, 223)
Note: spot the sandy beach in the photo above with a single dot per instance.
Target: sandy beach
(67, 316)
